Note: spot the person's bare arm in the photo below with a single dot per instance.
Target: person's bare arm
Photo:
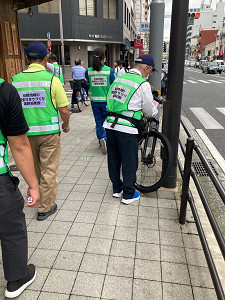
(22, 154)
(65, 115)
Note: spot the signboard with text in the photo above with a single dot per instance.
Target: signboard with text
(138, 45)
(145, 27)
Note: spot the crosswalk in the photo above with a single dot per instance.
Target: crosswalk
(206, 119)
(217, 80)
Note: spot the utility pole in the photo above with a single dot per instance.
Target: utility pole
(172, 107)
(157, 8)
(61, 38)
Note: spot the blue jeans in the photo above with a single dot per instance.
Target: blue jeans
(99, 110)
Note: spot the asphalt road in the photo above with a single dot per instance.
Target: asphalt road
(204, 105)
(206, 91)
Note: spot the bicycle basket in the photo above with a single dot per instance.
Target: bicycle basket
(75, 85)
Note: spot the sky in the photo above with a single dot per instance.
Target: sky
(168, 9)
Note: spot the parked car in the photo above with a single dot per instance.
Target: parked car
(210, 67)
(196, 64)
(201, 63)
(192, 63)
(221, 64)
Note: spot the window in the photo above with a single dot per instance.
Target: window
(110, 9)
(51, 7)
(125, 13)
(87, 8)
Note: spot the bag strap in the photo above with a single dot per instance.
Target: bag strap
(133, 121)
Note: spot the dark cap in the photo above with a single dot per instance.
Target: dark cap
(146, 60)
(36, 50)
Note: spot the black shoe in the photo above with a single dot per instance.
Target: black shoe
(43, 216)
(15, 288)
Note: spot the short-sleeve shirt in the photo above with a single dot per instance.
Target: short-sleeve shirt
(12, 120)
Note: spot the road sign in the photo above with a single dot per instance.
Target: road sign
(145, 27)
(49, 43)
(48, 35)
(138, 45)
(49, 50)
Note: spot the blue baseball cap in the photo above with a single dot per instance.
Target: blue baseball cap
(36, 50)
(146, 60)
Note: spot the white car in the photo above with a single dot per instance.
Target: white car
(221, 63)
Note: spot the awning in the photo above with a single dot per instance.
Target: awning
(27, 3)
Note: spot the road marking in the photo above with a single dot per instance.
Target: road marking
(222, 80)
(184, 82)
(221, 109)
(214, 81)
(191, 81)
(215, 153)
(203, 81)
(206, 119)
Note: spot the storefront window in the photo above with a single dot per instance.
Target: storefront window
(87, 8)
(110, 9)
(51, 7)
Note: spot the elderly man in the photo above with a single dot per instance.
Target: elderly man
(128, 96)
(42, 96)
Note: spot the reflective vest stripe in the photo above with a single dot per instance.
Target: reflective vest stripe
(2, 163)
(2, 150)
(127, 81)
(124, 122)
(98, 72)
(44, 128)
(31, 84)
(98, 98)
(55, 119)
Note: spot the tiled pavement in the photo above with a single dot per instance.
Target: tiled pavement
(94, 247)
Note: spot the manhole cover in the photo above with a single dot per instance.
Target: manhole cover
(13, 168)
(200, 169)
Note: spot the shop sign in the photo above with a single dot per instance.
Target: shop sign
(100, 36)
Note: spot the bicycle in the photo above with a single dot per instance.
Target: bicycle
(154, 155)
(81, 95)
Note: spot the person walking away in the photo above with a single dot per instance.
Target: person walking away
(100, 77)
(163, 83)
(116, 66)
(42, 96)
(13, 232)
(122, 69)
(128, 96)
(57, 70)
(77, 73)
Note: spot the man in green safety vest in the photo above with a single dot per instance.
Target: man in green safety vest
(128, 96)
(42, 96)
(13, 232)
(55, 69)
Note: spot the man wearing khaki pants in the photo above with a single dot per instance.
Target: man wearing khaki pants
(42, 95)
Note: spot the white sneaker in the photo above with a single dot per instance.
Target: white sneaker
(134, 198)
(118, 195)
(103, 146)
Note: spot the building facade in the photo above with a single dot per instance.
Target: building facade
(87, 24)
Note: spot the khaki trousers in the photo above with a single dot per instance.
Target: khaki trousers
(46, 151)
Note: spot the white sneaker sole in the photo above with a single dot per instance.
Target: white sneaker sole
(20, 290)
(129, 201)
(103, 146)
(117, 195)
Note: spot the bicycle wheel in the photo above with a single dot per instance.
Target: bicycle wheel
(80, 102)
(152, 150)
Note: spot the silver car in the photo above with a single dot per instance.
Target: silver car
(210, 67)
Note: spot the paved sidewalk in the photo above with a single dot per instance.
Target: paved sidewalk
(94, 247)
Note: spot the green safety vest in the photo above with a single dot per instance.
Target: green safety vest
(119, 95)
(58, 72)
(4, 159)
(99, 83)
(35, 92)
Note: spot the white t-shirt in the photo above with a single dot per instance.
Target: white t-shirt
(142, 99)
(121, 71)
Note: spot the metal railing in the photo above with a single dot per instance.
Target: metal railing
(186, 196)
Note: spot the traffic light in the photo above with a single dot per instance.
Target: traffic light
(138, 40)
(193, 15)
